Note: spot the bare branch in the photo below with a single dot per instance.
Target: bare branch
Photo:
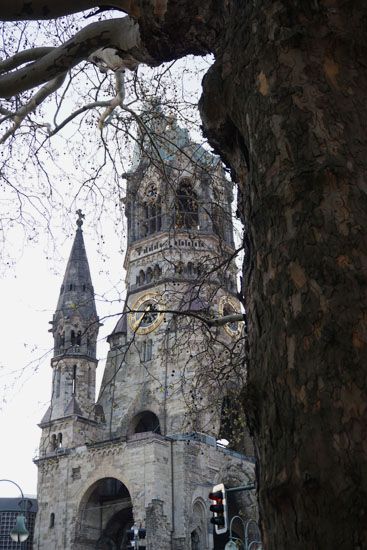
(46, 90)
(78, 112)
(226, 319)
(121, 34)
(23, 57)
(118, 100)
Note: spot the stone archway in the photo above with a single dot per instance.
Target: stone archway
(145, 421)
(105, 515)
(199, 524)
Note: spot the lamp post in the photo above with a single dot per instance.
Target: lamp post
(235, 543)
(19, 533)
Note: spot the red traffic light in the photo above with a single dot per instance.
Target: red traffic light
(219, 508)
(218, 495)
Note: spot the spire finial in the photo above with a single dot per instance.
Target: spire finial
(81, 216)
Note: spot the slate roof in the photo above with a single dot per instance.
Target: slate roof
(77, 289)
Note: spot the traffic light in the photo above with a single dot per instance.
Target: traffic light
(141, 535)
(219, 509)
(135, 535)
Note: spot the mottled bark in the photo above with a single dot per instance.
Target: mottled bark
(285, 103)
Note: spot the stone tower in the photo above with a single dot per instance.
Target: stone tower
(70, 417)
(146, 452)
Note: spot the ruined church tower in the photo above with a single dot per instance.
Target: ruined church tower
(145, 452)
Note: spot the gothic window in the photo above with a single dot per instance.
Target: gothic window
(60, 340)
(146, 350)
(74, 380)
(79, 338)
(75, 473)
(157, 271)
(151, 216)
(58, 382)
(146, 421)
(149, 275)
(195, 541)
(53, 442)
(179, 267)
(52, 520)
(59, 440)
(149, 350)
(190, 268)
(217, 220)
(186, 208)
(141, 277)
(72, 338)
(89, 381)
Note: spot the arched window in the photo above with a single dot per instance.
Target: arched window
(179, 267)
(190, 268)
(149, 275)
(79, 338)
(52, 520)
(141, 277)
(89, 382)
(74, 380)
(151, 217)
(58, 382)
(59, 440)
(149, 348)
(53, 442)
(72, 338)
(146, 350)
(146, 421)
(186, 214)
(218, 217)
(157, 271)
(61, 340)
(195, 540)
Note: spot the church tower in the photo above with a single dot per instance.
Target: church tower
(75, 325)
(146, 454)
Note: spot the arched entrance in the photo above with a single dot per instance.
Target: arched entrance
(105, 515)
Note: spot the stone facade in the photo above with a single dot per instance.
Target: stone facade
(146, 451)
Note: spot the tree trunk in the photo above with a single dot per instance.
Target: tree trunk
(285, 105)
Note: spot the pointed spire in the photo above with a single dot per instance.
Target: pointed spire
(76, 310)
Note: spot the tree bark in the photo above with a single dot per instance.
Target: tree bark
(285, 106)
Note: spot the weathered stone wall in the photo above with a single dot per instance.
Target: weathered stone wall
(165, 479)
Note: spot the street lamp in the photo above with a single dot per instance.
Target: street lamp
(233, 542)
(19, 532)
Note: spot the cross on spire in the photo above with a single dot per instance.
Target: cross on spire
(81, 216)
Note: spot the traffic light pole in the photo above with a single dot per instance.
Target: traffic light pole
(241, 488)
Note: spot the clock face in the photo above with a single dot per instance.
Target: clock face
(145, 315)
(228, 306)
